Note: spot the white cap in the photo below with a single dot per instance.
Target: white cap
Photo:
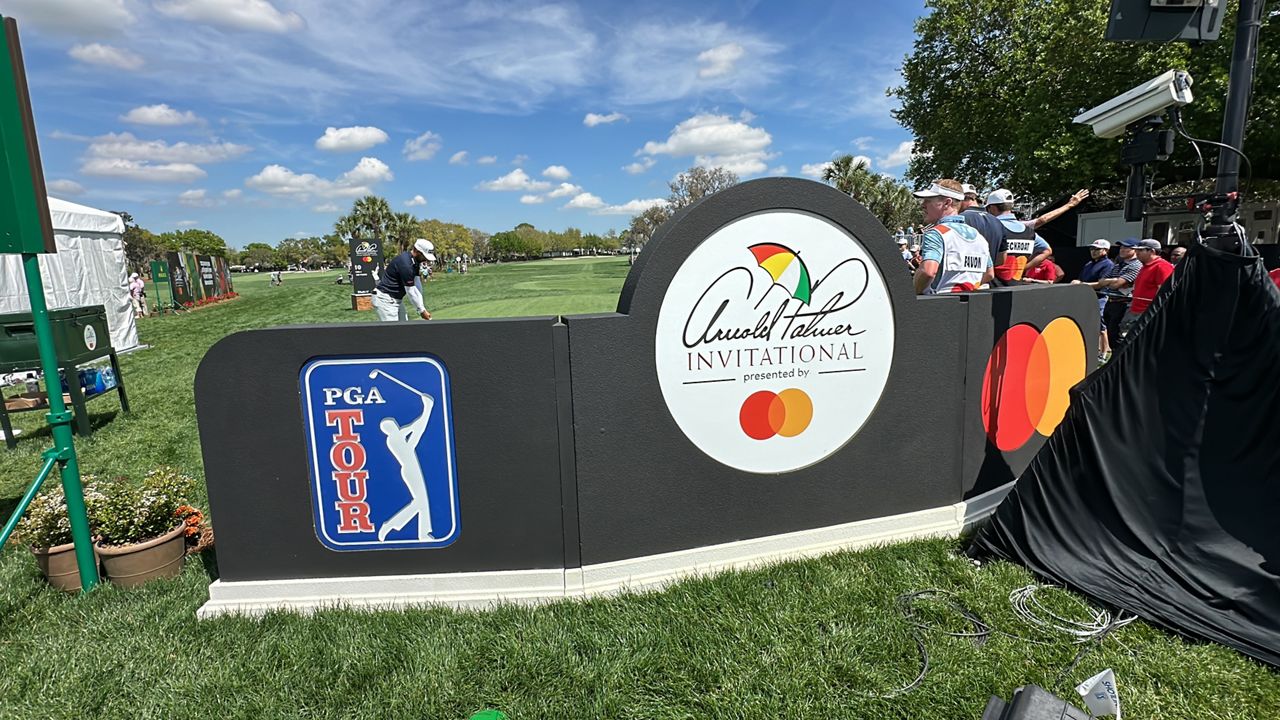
(1000, 197)
(425, 247)
(936, 190)
(915, 248)
(969, 189)
(1101, 244)
(902, 241)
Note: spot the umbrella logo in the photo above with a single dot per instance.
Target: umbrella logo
(786, 268)
(1025, 388)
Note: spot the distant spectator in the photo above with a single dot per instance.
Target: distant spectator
(954, 256)
(1176, 254)
(138, 295)
(1046, 273)
(1117, 287)
(1155, 270)
(1098, 267)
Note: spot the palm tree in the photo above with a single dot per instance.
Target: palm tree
(370, 217)
(889, 200)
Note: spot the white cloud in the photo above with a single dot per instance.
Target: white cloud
(195, 198)
(423, 147)
(64, 187)
(594, 119)
(779, 170)
(519, 159)
(515, 180)
(633, 207)
(532, 199)
(61, 135)
(584, 201)
(719, 60)
(72, 17)
(326, 208)
(487, 160)
(350, 139)
(640, 166)
(187, 223)
(665, 61)
(557, 172)
(564, 190)
(862, 160)
(814, 170)
(899, 156)
(746, 115)
(142, 171)
(232, 194)
(160, 114)
(258, 15)
(416, 201)
(359, 180)
(458, 158)
(717, 141)
(862, 143)
(126, 146)
(106, 55)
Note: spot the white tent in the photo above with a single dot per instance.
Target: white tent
(88, 269)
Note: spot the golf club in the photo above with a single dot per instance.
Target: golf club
(376, 373)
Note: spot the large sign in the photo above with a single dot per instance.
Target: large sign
(207, 275)
(774, 341)
(366, 263)
(25, 224)
(179, 279)
(380, 441)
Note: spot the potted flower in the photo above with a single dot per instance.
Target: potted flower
(46, 529)
(142, 528)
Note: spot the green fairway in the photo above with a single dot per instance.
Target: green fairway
(820, 638)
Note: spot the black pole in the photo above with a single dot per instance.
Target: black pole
(1221, 232)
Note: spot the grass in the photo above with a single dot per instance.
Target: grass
(820, 638)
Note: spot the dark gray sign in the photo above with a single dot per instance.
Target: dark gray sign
(366, 263)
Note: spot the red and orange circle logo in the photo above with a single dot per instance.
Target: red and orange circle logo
(1026, 383)
(765, 414)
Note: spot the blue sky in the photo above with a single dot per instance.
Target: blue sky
(265, 119)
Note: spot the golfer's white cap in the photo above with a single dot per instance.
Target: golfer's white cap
(425, 247)
(1101, 244)
(1000, 197)
(936, 190)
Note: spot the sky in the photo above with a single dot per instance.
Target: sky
(265, 119)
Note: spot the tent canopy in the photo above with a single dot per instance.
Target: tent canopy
(89, 268)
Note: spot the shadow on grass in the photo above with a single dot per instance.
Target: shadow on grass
(97, 421)
(209, 559)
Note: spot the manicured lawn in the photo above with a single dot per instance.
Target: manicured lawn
(820, 638)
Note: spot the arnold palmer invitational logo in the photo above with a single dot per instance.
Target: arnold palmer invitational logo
(774, 341)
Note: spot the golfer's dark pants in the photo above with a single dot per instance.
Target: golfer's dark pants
(1111, 317)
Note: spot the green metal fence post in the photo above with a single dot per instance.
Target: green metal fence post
(60, 422)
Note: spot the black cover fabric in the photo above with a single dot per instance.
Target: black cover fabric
(1160, 491)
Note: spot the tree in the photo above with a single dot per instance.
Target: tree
(201, 242)
(402, 230)
(259, 254)
(141, 246)
(370, 217)
(688, 188)
(991, 86)
(889, 200)
(646, 223)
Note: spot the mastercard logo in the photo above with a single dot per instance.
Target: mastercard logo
(1025, 388)
(765, 414)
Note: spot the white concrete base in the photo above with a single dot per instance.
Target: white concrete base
(485, 589)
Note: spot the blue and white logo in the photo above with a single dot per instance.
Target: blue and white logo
(380, 438)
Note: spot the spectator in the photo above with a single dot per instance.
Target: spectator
(1046, 273)
(1176, 254)
(1155, 270)
(1117, 287)
(1052, 215)
(138, 295)
(1023, 248)
(902, 249)
(954, 256)
(1097, 268)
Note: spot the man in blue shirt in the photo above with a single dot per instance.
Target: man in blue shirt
(402, 277)
(954, 257)
(1096, 269)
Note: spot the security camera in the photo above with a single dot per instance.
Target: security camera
(1111, 118)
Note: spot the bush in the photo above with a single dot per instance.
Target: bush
(130, 512)
(45, 523)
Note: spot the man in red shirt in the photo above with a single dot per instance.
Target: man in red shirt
(1275, 276)
(1155, 270)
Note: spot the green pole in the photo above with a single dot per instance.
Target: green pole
(60, 421)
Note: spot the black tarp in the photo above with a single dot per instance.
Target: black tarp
(1160, 491)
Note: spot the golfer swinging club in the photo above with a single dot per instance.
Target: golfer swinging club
(401, 277)
(403, 441)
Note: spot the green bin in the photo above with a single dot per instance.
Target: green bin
(79, 334)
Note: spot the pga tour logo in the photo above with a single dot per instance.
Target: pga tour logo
(380, 439)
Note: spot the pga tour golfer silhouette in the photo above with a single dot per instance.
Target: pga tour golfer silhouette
(402, 441)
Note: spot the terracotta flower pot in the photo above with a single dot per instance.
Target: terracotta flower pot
(133, 565)
(58, 565)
